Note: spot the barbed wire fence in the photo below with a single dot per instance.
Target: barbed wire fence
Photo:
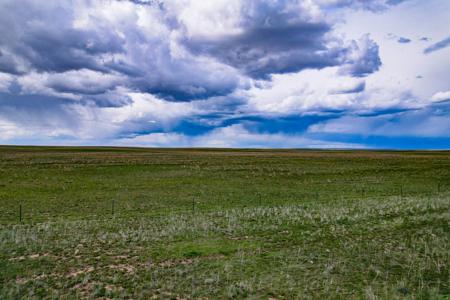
(116, 208)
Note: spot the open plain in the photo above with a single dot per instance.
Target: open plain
(210, 223)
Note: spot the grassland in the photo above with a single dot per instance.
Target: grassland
(191, 223)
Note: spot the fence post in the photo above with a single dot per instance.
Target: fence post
(112, 207)
(20, 213)
(401, 192)
(193, 205)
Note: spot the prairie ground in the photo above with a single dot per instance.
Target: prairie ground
(202, 223)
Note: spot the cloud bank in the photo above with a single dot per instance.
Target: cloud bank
(190, 72)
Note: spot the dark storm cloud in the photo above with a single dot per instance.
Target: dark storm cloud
(89, 89)
(274, 40)
(438, 46)
(8, 64)
(275, 37)
(43, 38)
(260, 51)
(125, 68)
(64, 49)
(187, 93)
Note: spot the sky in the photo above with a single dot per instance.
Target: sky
(226, 73)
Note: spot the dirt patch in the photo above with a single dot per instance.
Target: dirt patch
(80, 272)
(31, 256)
(123, 268)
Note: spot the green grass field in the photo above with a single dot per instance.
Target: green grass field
(208, 224)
